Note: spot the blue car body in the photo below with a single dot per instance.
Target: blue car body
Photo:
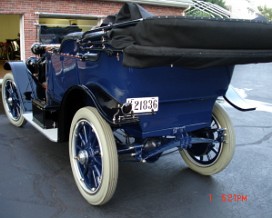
(151, 93)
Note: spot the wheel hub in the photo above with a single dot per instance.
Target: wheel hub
(83, 157)
(10, 101)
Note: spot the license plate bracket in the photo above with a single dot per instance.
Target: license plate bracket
(144, 104)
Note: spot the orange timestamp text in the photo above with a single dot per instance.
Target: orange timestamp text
(231, 198)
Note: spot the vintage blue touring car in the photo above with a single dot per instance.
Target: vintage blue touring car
(139, 86)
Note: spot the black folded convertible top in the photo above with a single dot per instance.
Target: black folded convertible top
(189, 41)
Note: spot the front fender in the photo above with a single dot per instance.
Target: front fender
(235, 100)
(24, 82)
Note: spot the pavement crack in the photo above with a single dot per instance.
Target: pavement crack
(250, 126)
(51, 197)
(260, 141)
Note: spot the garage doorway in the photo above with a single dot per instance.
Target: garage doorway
(10, 29)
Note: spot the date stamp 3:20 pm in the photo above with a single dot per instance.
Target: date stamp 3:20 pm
(230, 198)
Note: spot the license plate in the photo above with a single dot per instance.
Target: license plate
(144, 105)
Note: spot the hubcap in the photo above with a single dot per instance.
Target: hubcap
(82, 157)
(10, 101)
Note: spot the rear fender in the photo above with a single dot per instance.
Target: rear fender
(235, 100)
(81, 96)
(24, 83)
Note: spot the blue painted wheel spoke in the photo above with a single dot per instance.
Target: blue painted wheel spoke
(214, 150)
(78, 146)
(85, 171)
(17, 107)
(94, 179)
(85, 134)
(97, 161)
(13, 111)
(91, 178)
(98, 172)
(88, 155)
(93, 140)
(95, 176)
(81, 139)
(208, 157)
(11, 90)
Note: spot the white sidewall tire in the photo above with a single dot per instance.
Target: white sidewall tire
(16, 122)
(227, 150)
(107, 146)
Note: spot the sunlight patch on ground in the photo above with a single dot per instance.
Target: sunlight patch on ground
(260, 106)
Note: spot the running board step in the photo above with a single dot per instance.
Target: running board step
(45, 115)
(51, 134)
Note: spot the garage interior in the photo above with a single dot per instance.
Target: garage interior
(50, 29)
(53, 27)
(9, 35)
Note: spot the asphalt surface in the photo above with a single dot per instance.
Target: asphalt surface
(36, 178)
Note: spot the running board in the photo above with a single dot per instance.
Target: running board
(51, 134)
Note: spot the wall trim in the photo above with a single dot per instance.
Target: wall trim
(68, 16)
(168, 3)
